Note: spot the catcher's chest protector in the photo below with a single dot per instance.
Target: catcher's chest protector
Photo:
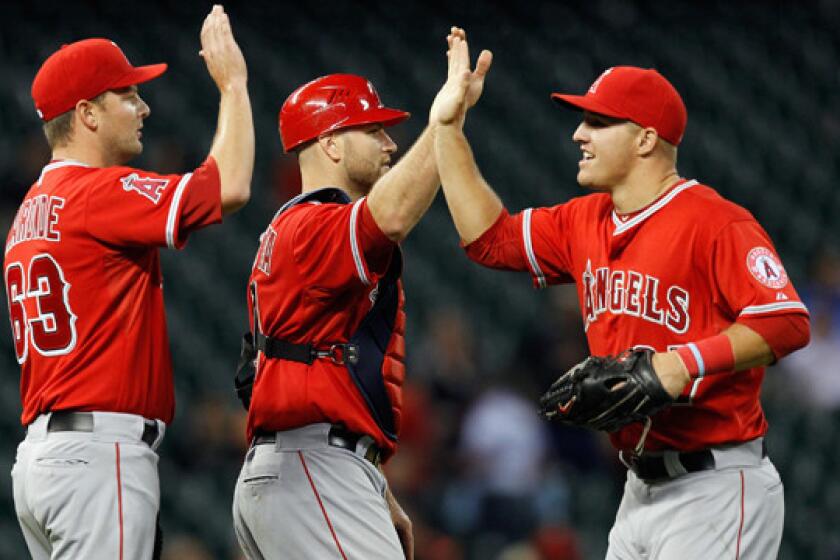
(379, 370)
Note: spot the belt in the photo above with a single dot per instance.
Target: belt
(67, 421)
(659, 467)
(337, 437)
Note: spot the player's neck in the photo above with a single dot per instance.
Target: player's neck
(638, 192)
(82, 154)
(313, 179)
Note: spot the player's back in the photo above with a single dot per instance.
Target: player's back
(86, 311)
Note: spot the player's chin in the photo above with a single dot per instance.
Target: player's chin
(130, 150)
(136, 148)
(584, 179)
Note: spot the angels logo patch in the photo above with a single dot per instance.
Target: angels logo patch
(766, 268)
(149, 187)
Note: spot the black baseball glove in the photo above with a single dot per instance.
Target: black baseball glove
(607, 393)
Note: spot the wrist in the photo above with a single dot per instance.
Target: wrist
(672, 372)
(237, 86)
(710, 355)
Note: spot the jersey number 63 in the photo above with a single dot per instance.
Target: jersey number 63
(52, 328)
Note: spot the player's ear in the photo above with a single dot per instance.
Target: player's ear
(647, 140)
(87, 112)
(330, 146)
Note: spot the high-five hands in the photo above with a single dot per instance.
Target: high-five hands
(463, 86)
(220, 52)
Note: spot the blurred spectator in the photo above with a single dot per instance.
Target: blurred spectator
(557, 542)
(447, 364)
(217, 434)
(812, 373)
(184, 547)
(503, 447)
(554, 343)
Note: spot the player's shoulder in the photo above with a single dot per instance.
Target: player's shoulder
(113, 175)
(710, 207)
(587, 207)
(593, 202)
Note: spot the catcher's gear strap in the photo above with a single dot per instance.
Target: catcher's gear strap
(246, 370)
(275, 348)
(364, 353)
(710, 355)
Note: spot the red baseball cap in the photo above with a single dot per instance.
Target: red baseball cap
(641, 95)
(83, 70)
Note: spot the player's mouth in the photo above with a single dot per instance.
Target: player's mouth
(586, 157)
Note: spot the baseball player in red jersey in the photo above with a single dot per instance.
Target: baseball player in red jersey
(326, 306)
(665, 263)
(84, 287)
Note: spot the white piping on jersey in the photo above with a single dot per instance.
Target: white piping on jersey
(529, 248)
(621, 227)
(354, 243)
(701, 366)
(770, 307)
(58, 164)
(173, 210)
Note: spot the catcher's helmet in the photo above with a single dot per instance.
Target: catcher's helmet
(331, 103)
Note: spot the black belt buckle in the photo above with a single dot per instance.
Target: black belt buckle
(341, 354)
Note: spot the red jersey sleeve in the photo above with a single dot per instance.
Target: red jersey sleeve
(534, 240)
(337, 245)
(748, 275)
(133, 207)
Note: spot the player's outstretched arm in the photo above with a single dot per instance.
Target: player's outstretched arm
(473, 204)
(402, 196)
(737, 348)
(233, 145)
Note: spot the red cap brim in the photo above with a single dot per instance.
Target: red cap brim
(139, 75)
(586, 103)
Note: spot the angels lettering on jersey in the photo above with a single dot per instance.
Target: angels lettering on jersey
(629, 292)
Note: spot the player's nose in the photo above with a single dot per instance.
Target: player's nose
(581, 133)
(388, 144)
(143, 109)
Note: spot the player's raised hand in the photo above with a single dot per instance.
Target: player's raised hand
(220, 52)
(450, 103)
(482, 66)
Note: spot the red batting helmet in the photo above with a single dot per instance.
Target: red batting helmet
(331, 103)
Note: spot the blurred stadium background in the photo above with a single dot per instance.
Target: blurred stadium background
(481, 477)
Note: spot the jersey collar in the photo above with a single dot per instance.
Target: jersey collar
(58, 164)
(622, 226)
